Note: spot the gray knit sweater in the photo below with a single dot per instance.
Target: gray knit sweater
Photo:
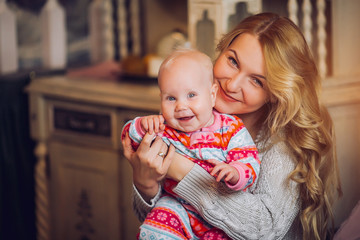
(268, 210)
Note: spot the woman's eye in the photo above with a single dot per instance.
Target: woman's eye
(258, 82)
(233, 61)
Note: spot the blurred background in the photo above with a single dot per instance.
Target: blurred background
(125, 41)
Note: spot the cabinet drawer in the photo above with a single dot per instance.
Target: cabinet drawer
(82, 123)
(96, 124)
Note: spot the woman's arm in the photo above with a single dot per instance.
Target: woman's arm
(179, 167)
(266, 211)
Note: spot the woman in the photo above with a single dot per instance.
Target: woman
(267, 76)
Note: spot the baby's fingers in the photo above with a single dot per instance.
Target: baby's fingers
(157, 123)
(215, 171)
(150, 123)
(162, 122)
(228, 176)
(144, 124)
(220, 176)
(218, 171)
(214, 161)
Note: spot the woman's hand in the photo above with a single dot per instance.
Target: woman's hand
(148, 163)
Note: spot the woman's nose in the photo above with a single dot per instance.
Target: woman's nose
(234, 83)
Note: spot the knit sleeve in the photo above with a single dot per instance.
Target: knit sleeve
(266, 211)
(140, 206)
(241, 153)
(242, 150)
(133, 128)
(135, 131)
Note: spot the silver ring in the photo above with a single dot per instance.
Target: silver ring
(161, 154)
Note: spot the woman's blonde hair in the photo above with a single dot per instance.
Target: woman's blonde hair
(294, 107)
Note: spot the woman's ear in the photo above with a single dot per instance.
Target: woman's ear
(214, 90)
(271, 99)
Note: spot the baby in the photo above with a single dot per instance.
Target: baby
(217, 142)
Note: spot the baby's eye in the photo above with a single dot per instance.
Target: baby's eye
(170, 98)
(191, 95)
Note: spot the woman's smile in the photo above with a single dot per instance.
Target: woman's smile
(225, 96)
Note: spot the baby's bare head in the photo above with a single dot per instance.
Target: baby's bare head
(188, 60)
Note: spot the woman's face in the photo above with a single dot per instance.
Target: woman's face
(240, 73)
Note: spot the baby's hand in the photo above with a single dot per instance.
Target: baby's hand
(152, 123)
(224, 171)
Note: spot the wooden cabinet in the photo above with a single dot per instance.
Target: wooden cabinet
(85, 193)
(83, 182)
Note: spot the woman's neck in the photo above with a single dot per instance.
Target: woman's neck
(250, 124)
(253, 121)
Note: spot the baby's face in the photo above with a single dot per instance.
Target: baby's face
(187, 96)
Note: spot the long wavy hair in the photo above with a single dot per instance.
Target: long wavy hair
(294, 86)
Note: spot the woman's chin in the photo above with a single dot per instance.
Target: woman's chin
(224, 107)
